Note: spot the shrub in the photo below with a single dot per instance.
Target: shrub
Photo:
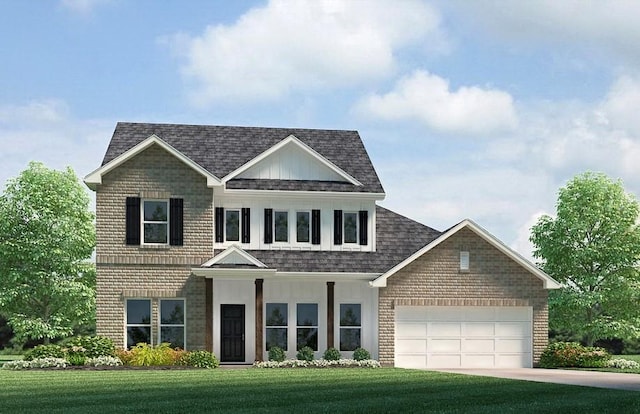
(146, 355)
(620, 363)
(319, 363)
(199, 359)
(94, 346)
(45, 351)
(47, 362)
(332, 354)
(276, 354)
(103, 361)
(75, 355)
(361, 354)
(305, 354)
(125, 356)
(572, 354)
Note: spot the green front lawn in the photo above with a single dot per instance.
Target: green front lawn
(296, 390)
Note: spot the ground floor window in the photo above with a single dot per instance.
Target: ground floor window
(138, 321)
(350, 326)
(172, 322)
(276, 322)
(307, 325)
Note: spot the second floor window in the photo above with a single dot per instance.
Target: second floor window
(281, 226)
(302, 227)
(155, 221)
(232, 225)
(350, 231)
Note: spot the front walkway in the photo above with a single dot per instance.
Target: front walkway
(614, 380)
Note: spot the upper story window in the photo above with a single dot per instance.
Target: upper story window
(464, 260)
(154, 222)
(281, 226)
(232, 225)
(302, 226)
(276, 227)
(350, 227)
(350, 232)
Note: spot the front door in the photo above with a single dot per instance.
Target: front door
(232, 333)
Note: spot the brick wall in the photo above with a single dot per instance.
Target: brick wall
(435, 280)
(151, 272)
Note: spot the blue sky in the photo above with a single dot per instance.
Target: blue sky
(476, 110)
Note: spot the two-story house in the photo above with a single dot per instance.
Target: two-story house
(237, 239)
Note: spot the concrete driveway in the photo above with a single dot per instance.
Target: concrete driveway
(630, 382)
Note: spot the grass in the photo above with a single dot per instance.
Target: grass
(629, 357)
(296, 390)
(6, 358)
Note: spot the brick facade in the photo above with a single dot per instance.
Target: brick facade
(152, 272)
(435, 279)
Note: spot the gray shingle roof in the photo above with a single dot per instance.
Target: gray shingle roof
(222, 149)
(398, 237)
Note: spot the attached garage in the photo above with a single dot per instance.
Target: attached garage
(463, 337)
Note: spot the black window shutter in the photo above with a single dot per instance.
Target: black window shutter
(337, 226)
(246, 225)
(268, 225)
(315, 226)
(176, 221)
(219, 224)
(363, 218)
(133, 221)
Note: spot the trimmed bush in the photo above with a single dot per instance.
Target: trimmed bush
(572, 354)
(145, 355)
(305, 354)
(620, 363)
(360, 354)
(199, 359)
(332, 354)
(94, 346)
(44, 351)
(276, 354)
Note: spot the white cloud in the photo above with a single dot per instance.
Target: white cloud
(45, 131)
(429, 99)
(603, 27)
(289, 46)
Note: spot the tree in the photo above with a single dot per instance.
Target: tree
(47, 235)
(592, 247)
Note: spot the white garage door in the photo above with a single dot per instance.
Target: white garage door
(463, 337)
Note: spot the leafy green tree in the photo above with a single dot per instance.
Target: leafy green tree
(47, 235)
(592, 247)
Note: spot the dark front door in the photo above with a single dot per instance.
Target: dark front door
(232, 333)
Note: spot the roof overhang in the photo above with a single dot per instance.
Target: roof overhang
(94, 178)
(291, 139)
(548, 281)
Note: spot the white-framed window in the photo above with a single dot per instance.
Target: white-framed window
(172, 322)
(276, 325)
(350, 227)
(232, 224)
(155, 221)
(464, 260)
(281, 226)
(307, 325)
(138, 317)
(303, 226)
(350, 326)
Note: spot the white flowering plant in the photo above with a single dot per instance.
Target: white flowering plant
(319, 363)
(37, 363)
(620, 363)
(103, 361)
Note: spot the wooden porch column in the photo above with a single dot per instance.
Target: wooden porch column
(330, 317)
(208, 311)
(259, 339)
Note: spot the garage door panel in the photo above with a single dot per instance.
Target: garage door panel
(411, 346)
(513, 345)
(513, 329)
(443, 329)
(411, 330)
(478, 360)
(454, 337)
(412, 361)
(478, 345)
(478, 329)
(444, 360)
